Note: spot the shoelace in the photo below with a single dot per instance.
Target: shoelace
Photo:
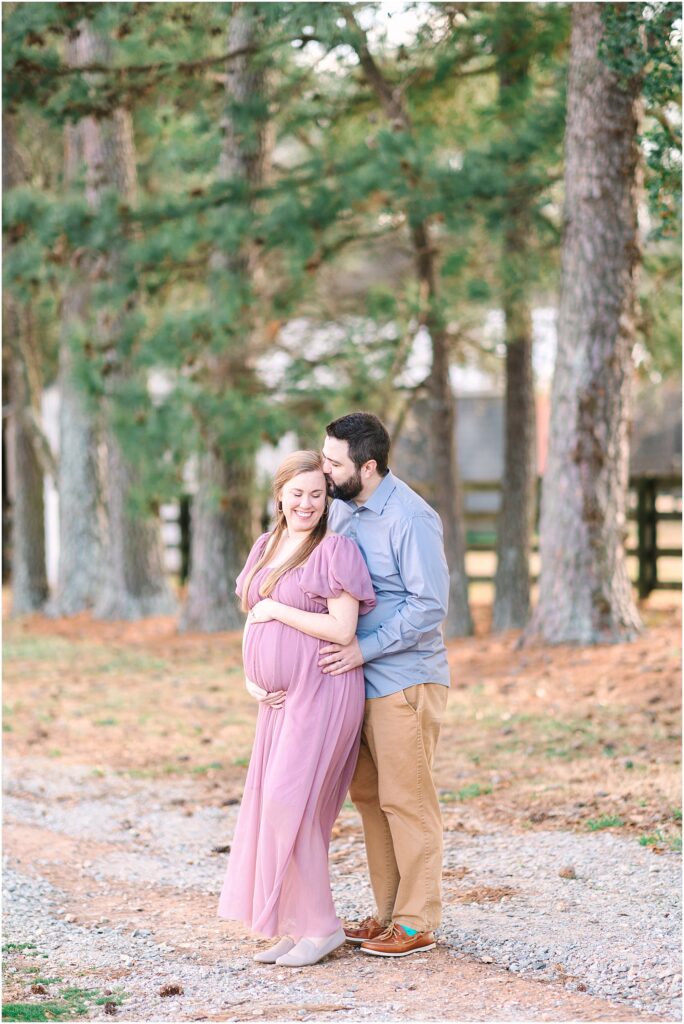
(392, 931)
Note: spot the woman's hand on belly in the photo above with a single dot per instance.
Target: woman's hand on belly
(262, 611)
(273, 700)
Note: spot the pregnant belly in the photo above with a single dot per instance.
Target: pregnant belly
(276, 655)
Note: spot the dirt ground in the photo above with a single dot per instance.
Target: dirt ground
(554, 736)
(566, 738)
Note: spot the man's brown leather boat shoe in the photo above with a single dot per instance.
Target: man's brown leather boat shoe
(365, 931)
(395, 941)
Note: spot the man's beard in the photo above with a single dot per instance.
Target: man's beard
(347, 490)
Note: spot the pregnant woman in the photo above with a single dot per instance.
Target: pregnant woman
(301, 585)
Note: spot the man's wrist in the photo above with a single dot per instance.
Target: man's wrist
(369, 646)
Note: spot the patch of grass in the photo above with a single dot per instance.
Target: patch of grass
(240, 762)
(676, 814)
(116, 997)
(607, 821)
(36, 649)
(469, 792)
(562, 752)
(53, 1010)
(55, 752)
(236, 720)
(17, 947)
(660, 838)
(106, 721)
(32, 1011)
(200, 769)
(71, 1002)
(80, 993)
(130, 661)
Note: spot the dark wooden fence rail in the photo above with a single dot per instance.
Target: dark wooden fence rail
(648, 515)
(643, 508)
(481, 527)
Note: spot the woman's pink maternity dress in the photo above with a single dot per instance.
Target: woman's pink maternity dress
(304, 753)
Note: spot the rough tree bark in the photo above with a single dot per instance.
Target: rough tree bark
(585, 593)
(446, 490)
(133, 581)
(512, 579)
(221, 511)
(79, 572)
(29, 574)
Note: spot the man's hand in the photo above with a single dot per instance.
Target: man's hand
(335, 659)
(274, 700)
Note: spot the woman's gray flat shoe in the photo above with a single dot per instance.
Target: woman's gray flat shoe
(269, 956)
(307, 952)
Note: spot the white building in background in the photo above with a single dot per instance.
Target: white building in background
(321, 341)
(479, 429)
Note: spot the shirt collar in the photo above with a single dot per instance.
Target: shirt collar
(381, 494)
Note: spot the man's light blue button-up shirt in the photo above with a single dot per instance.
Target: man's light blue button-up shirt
(400, 537)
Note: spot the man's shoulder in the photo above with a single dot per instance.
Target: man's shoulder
(408, 504)
(337, 508)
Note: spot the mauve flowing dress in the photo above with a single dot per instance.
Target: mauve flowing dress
(304, 754)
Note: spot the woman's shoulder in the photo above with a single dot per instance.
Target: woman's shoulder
(259, 545)
(261, 540)
(337, 543)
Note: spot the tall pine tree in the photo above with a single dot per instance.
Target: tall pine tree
(585, 593)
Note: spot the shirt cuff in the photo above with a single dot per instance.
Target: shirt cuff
(370, 646)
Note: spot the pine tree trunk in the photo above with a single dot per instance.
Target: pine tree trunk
(446, 487)
(221, 533)
(79, 572)
(512, 579)
(133, 580)
(6, 503)
(29, 573)
(585, 593)
(221, 519)
(134, 585)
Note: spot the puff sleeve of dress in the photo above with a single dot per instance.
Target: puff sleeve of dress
(336, 566)
(252, 557)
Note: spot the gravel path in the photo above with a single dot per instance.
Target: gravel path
(117, 878)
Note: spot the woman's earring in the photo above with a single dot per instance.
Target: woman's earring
(280, 506)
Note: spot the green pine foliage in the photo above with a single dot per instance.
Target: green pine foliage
(330, 222)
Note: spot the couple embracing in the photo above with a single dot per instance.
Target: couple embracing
(343, 650)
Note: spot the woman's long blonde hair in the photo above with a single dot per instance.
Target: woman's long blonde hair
(297, 462)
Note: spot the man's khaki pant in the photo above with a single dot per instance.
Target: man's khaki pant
(395, 794)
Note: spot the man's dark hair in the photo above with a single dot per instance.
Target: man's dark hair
(366, 436)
